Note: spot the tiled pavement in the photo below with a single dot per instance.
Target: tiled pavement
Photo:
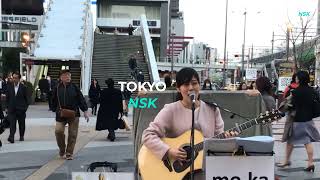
(298, 158)
(21, 159)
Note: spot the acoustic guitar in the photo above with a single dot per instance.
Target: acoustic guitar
(152, 168)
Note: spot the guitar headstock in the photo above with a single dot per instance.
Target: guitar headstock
(269, 117)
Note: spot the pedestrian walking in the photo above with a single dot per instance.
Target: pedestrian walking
(94, 95)
(17, 104)
(303, 128)
(110, 109)
(67, 99)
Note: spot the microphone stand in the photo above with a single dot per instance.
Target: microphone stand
(192, 141)
(226, 110)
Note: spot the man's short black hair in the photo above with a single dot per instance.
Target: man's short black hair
(303, 77)
(43, 76)
(17, 73)
(110, 83)
(64, 71)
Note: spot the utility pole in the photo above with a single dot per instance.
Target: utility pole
(251, 54)
(172, 43)
(227, 60)
(243, 45)
(272, 44)
(225, 46)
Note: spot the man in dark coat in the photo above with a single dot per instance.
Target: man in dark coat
(130, 30)
(132, 63)
(17, 104)
(110, 108)
(52, 86)
(67, 96)
(140, 77)
(44, 87)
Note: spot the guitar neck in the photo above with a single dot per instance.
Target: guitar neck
(246, 125)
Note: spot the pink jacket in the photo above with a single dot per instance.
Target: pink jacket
(174, 119)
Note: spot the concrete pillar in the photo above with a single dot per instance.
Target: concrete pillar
(164, 11)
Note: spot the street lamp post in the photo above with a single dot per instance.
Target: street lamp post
(244, 43)
(225, 46)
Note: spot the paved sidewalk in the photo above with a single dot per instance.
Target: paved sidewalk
(298, 158)
(37, 155)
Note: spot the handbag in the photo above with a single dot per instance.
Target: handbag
(65, 113)
(123, 123)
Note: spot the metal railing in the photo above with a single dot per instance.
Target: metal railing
(143, 31)
(87, 49)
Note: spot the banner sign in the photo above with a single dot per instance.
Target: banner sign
(283, 83)
(251, 74)
(240, 167)
(34, 20)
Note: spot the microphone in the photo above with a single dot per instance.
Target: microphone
(192, 95)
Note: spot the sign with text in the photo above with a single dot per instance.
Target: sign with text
(240, 168)
(33, 20)
(251, 74)
(103, 175)
(283, 83)
(143, 102)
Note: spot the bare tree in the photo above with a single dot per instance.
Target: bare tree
(298, 34)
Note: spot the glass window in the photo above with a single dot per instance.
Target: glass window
(132, 12)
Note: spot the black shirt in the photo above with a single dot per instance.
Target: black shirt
(302, 100)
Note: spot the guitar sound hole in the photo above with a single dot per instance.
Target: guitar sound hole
(179, 166)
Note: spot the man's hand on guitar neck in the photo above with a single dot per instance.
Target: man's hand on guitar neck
(177, 154)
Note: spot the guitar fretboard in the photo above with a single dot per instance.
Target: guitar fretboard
(246, 125)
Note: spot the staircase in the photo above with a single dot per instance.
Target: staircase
(110, 58)
(75, 70)
(54, 71)
(75, 74)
